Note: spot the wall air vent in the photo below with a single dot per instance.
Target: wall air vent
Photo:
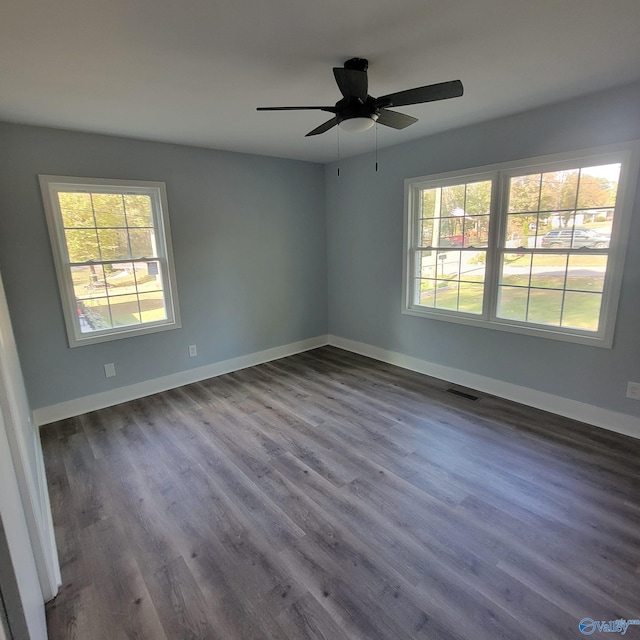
(463, 394)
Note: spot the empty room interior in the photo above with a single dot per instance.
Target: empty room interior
(319, 321)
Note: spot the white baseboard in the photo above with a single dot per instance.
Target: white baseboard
(597, 416)
(591, 414)
(78, 406)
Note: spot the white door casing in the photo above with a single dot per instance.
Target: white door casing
(24, 453)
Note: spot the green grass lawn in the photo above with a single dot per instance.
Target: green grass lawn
(114, 301)
(574, 283)
(556, 260)
(125, 311)
(577, 309)
(536, 294)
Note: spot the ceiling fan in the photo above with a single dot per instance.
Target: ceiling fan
(358, 111)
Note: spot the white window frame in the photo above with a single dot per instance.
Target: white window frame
(51, 186)
(628, 154)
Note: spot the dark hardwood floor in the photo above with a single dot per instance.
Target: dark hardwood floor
(330, 496)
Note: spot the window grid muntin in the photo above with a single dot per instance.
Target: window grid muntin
(508, 210)
(626, 155)
(416, 231)
(155, 193)
(565, 288)
(111, 300)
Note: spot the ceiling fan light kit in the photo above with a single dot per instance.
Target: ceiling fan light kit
(357, 124)
(358, 111)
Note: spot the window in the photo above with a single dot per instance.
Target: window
(111, 245)
(534, 247)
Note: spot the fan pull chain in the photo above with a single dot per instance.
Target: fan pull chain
(376, 146)
(338, 151)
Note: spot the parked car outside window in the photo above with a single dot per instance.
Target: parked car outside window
(575, 239)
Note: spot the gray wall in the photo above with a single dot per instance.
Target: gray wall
(259, 241)
(365, 223)
(249, 240)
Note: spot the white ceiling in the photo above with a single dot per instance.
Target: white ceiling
(194, 71)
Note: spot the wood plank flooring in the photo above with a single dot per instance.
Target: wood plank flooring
(327, 496)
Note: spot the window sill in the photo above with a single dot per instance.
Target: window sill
(499, 324)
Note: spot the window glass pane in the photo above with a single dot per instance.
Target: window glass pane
(80, 277)
(472, 265)
(560, 234)
(114, 244)
(545, 306)
(460, 265)
(476, 231)
(478, 198)
(563, 221)
(512, 303)
(427, 233)
(537, 238)
(558, 190)
(152, 307)
(524, 193)
(597, 221)
(109, 209)
(449, 232)
(82, 245)
(121, 278)
(138, 210)
(124, 310)
(581, 310)
(447, 264)
(89, 281)
(447, 295)
(142, 243)
(427, 261)
(516, 269)
(148, 276)
(426, 290)
(520, 230)
(430, 203)
(76, 210)
(598, 186)
(586, 273)
(452, 201)
(94, 314)
(459, 296)
(471, 297)
(548, 271)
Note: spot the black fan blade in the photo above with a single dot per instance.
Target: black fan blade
(352, 83)
(430, 93)
(323, 127)
(394, 119)
(329, 109)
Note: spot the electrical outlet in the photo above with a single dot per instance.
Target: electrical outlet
(110, 370)
(633, 390)
(193, 351)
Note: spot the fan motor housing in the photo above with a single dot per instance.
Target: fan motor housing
(357, 64)
(348, 108)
